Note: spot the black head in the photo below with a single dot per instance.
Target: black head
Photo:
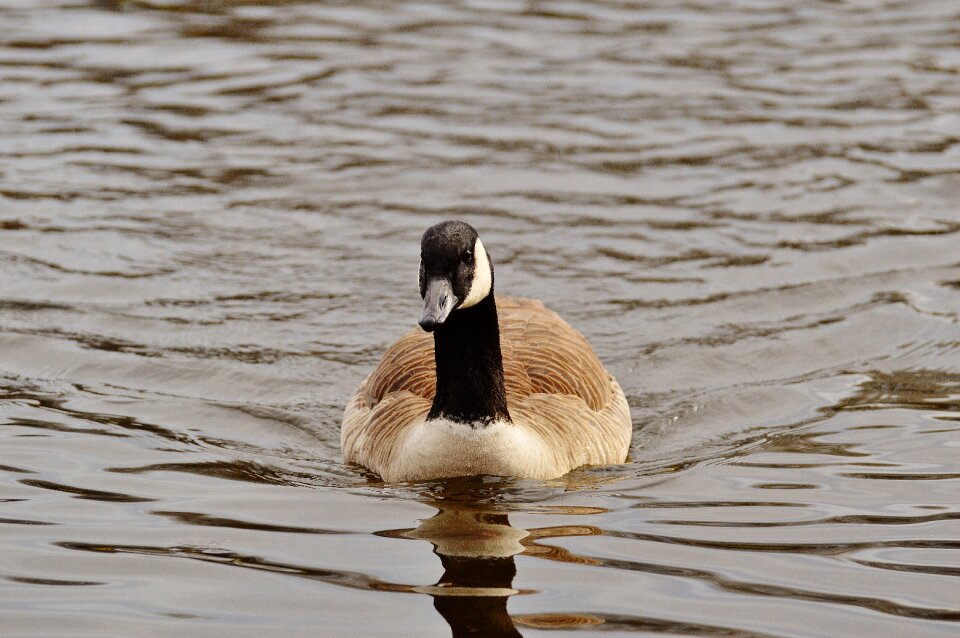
(455, 271)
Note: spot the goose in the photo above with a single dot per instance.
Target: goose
(504, 387)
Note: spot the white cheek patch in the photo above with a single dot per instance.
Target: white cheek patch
(482, 277)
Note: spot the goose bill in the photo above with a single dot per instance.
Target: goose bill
(438, 302)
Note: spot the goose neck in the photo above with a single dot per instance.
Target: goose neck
(470, 386)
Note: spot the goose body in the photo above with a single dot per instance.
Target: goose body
(504, 386)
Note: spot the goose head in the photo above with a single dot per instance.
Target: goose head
(455, 272)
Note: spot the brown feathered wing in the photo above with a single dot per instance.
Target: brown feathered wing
(556, 387)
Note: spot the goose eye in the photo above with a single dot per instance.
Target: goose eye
(467, 257)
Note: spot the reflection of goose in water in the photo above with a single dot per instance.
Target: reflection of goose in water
(476, 549)
(477, 546)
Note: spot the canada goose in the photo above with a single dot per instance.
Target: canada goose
(505, 387)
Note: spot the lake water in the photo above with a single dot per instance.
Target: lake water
(209, 225)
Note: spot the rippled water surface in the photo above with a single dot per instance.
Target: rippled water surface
(209, 224)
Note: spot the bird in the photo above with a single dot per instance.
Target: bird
(504, 387)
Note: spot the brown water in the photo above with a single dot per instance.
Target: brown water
(210, 222)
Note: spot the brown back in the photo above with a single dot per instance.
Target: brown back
(541, 354)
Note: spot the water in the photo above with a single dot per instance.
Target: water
(209, 225)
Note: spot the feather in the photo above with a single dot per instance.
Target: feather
(566, 409)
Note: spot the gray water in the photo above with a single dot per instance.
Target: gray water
(209, 225)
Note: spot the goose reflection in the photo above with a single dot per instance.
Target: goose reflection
(477, 547)
(477, 550)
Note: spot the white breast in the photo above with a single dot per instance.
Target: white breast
(441, 448)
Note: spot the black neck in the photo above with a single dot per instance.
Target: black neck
(470, 367)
